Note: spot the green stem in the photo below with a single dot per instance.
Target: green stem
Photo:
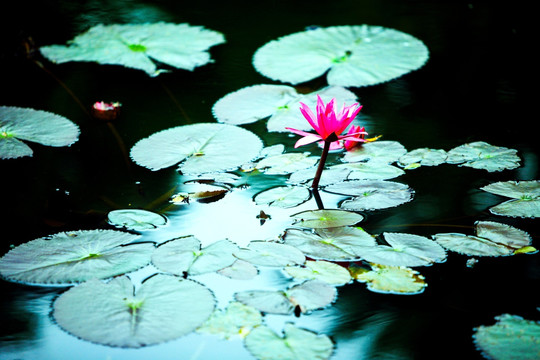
(315, 184)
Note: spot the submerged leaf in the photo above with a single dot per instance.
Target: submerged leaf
(326, 218)
(353, 55)
(136, 219)
(32, 125)
(200, 148)
(76, 256)
(481, 155)
(162, 309)
(525, 195)
(283, 196)
(392, 280)
(135, 46)
(240, 270)
(237, 320)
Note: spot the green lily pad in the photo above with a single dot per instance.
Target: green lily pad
(296, 344)
(352, 55)
(392, 280)
(72, 257)
(333, 244)
(317, 219)
(492, 239)
(287, 163)
(136, 219)
(135, 46)
(184, 255)
(511, 338)
(422, 157)
(370, 170)
(525, 198)
(38, 126)
(481, 155)
(404, 250)
(283, 196)
(163, 308)
(270, 254)
(237, 320)
(380, 151)
(308, 296)
(199, 148)
(324, 271)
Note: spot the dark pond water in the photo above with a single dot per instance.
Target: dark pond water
(471, 89)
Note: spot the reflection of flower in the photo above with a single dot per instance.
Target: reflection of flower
(329, 124)
(106, 111)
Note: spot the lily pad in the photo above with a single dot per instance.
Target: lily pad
(38, 126)
(481, 155)
(287, 163)
(199, 148)
(240, 270)
(422, 157)
(317, 219)
(283, 196)
(333, 244)
(404, 250)
(511, 338)
(392, 280)
(525, 198)
(136, 219)
(184, 255)
(270, 254)
(329, 176)
(352, 55)
(325, 271)
(135, 46)
(382, 151)
(492, 239)
(371, 170)
(163, 308)
(296, 344)
(237, 320)
(72, 257)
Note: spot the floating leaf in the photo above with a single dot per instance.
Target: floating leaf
(270, 254)
(199, 190)
(37, 126)
(511, 338)
(184, 255)
(370, 170)
(324, 271)
(283, 196)
(286, 163)
(379, 151)
(237, 320)
(481, 155)
(163, 308)
(135, 46)
(404, 250)
(334, 244)
(329, 176)
(371, 194)
(326, 218)
(310, 295)
(136, 219)
(240, 270)
(353, 55)
(526, 195)
(422, 157)
(201, 148)
(392, 280)
(76, 256)
(492, 239)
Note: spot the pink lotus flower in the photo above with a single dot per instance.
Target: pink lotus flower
(329, 124)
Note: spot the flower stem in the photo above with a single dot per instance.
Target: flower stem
(315, 184)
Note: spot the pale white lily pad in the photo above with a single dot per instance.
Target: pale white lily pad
(270, 254)
(240, 270)
(329, 176)
(236, 320)
(392, 280)
(135, 46)
(308, 296)
(353, 55)
(525, 197)
(510, 338)
(371, 170)
(283, 196)
(38, 126)
(333, 244)
(295, 344)
(136, 219)
(184, 255)
(383, 151)
(324, 271)
(287, 163)
(199, 148)
(328, 218)
(72, 257)
(481, 155)
(492, 239)
(422, 157)
(163, 308)
(404, 250)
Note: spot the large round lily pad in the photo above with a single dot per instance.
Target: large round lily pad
(163, 308)
(199, 148)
